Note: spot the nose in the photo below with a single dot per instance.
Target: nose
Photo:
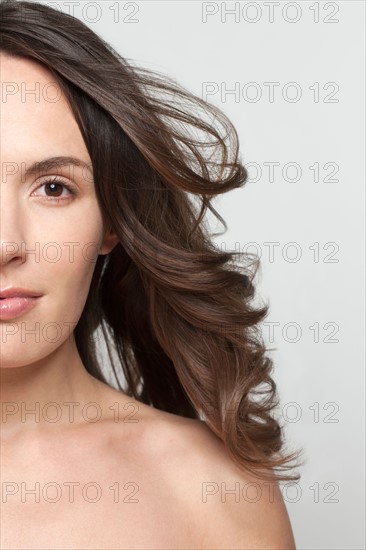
(12, 246)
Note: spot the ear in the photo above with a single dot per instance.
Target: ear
(110, 240)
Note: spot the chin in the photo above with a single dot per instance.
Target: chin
(22, 354)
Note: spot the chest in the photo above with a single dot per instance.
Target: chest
(94, 503)
(90, 514)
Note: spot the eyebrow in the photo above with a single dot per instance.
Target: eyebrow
(56, 162)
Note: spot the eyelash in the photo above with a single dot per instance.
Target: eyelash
(58, 181)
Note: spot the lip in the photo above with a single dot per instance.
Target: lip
(11, 308)
(15, 302)
(15, 292)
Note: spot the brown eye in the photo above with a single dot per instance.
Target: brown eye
(54, 188)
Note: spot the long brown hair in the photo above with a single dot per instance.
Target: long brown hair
(176, 311)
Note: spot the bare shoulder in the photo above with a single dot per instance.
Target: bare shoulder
(196, 483)
(226, 507)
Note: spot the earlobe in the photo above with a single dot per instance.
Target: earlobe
(109, 242)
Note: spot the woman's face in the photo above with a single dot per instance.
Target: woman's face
(51, 233)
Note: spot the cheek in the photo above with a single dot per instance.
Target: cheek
(70, 276)
(63, 273)
(70, 263)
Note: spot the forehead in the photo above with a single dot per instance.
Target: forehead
(36, 119)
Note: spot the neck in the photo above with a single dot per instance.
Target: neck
(52, 390)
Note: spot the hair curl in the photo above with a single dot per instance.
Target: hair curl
(173, 308)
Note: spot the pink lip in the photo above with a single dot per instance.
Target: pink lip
(12, 292)
(11, 308)
(14, 302)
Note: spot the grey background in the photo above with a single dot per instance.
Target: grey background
(314, 280)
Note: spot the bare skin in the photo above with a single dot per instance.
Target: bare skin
(159, 483)
(106, 471)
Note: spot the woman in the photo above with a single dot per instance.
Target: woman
(107, 173)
